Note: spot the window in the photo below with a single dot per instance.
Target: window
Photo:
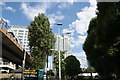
(27, 42)
(20, 33)
(26, 33)
(27, 46)
(15, 30)
(20, 39)
(27, 49)
(21, 30)
(20, 36)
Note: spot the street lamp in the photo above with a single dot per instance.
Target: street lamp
(59, 51)
(23, 64)
(59, 24)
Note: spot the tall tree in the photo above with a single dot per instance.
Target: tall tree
(41, 40)
(72, 66)
(101, 45)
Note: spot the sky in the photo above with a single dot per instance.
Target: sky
(74, 16)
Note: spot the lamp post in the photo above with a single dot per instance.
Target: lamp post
(59, 51)
(48, 35)
(59, 24)
(23, 65)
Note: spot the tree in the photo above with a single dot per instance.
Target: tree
(101, 45)
(56, 62)
(41, 40)
(72, 66)
(90, 70)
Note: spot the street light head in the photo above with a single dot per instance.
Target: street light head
(59, 23)
(68, 33)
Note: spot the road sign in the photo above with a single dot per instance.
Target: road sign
(34, 74)
(40, 74)
(30, 74)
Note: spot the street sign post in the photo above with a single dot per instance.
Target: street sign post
(40, 74)
(34, 74)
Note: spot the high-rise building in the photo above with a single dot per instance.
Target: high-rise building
(22, 34)
(66, 45)
(62, 43)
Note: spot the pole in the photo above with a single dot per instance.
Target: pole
(23, 66)
(59, 53)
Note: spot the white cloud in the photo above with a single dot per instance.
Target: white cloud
(64, 5)
(53, 18)
(84, 17)
(31, 12)
(81, 54)
(7, 7)
(82, 38)
(80, 25)
(77, 42)
(72, 1)
(10, 9)
(65, 31)
(58, 12)
(2, 3)
(83, 62)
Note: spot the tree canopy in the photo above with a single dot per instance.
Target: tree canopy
(102, 45)
(72, 66)
(41, 40)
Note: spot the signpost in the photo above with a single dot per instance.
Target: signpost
(34, 74)
(40, 74)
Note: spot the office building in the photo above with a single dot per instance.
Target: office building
(66, 45)
(62, 43)
(22, 34)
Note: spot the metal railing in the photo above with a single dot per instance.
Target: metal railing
(9, 64)
(5, 25)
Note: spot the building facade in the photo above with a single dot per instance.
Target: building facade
(63, 43)
(11, 51)
(22, 34)
(66, 45)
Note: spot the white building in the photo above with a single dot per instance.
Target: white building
(64, 44)
(22, 34)
(66, 47)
